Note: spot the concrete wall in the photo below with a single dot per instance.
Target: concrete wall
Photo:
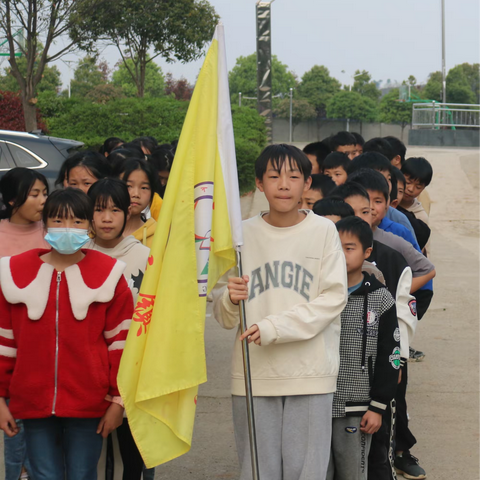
(444, 138)
(314, 131)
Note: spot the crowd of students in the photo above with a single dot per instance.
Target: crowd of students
(335, 331)
(334, 310)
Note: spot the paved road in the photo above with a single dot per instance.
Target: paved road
(443, 393)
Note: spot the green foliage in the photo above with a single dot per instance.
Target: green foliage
(243, 78)
(364, 85)
(352, 105)
(126, 118)
(318, 87)
(433, 88)
(162, 118)
(393, 111)
(154, 81)
(250, 139)
(460, 81)
(302, 111)
(87, 76)
(50, 81)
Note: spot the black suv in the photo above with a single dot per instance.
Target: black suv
(35, 150)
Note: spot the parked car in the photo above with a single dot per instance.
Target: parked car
(35, 150)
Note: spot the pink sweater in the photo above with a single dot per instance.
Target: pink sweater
(16, 239)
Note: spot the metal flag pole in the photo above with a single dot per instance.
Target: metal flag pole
(248, 381)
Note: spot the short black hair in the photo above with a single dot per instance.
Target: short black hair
(110, 188)
(68, 202)
(133, 164)
(118, 158)
(418, 168)
(162, 158)
(398, 147)
(399, 176)
(357, 227)
(333, 206)
(341, 139)
(146, 142)
(319, 149)
(380, 145)
(374, 160)
(280, 153)
(371, 180)
(322, 183)
(94, 162)
(350, 189)
(335, 160)
(360, 140)
(15, 186)
(109, 144)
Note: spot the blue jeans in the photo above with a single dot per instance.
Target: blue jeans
(63, 446)
(15, 454)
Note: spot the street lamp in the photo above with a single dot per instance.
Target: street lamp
(291, 111)
(444, 81)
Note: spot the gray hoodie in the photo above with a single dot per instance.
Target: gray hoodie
(134, 254)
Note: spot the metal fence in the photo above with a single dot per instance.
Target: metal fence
(445, 115)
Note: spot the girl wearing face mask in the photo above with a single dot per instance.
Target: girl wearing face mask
(142, 183)
(111, 209)
(64, 318)
(24, 193)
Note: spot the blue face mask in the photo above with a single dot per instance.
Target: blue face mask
(67, 240)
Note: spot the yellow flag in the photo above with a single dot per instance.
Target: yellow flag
(164, 358)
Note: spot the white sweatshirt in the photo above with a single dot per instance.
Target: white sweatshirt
(134, 254)
(297, 290)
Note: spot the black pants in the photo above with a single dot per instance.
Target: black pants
(380, 458)
(131, 458)
(404, 438)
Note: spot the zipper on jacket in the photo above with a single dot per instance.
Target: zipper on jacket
(59, 278)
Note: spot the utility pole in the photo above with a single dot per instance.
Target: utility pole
(444, 74)
(291, 114)
(264, 64)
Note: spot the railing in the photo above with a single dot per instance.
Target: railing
(440, 115)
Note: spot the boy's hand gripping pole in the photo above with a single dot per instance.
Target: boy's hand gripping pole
(248, 381)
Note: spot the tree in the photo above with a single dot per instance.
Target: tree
(433, 88)
(318, 87)
(37, 19)
(391, 110)
(154, 83)
(11, 112)
(472, 75)
(87, 76)
(174, 30)
(302, 111)
(180, 88)
(353, 106)
(104, 92)
(243, 78)
(50, 82)
(459, 84)
(411, 80)
(364, 85)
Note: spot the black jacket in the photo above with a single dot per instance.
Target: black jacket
(369, 351)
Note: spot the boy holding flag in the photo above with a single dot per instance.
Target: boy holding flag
(295, 290)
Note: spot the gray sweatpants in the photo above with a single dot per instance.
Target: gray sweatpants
(293, 436)
(350, 447)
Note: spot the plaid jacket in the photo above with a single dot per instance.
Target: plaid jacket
(369, 351)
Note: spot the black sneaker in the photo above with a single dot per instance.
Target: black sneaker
(415, 355)
(407, 465)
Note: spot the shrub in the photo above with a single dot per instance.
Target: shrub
(11, 113)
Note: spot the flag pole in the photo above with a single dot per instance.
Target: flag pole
(248, 380)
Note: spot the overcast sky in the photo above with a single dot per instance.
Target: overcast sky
(390, 39)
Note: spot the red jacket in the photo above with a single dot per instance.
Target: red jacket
(61, 334)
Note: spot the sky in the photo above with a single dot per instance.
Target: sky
(389, 39)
